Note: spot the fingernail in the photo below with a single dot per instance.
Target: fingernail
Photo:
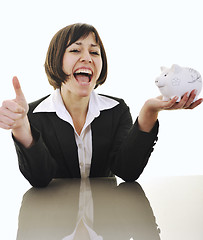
(21, 110)
(195, 92)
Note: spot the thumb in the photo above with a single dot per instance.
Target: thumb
(17, 88)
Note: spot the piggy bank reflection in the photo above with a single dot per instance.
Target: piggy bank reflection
(177, 80)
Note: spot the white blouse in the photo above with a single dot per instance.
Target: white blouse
(97, 103)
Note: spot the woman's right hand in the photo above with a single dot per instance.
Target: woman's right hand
(13, 115)
(13, 112)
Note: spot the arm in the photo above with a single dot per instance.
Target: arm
(32, 152)
(23, 133)
(149, 112)
(132, 147)
(36, 163)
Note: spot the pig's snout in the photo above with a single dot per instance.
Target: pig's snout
(156, 82)
(159, 83)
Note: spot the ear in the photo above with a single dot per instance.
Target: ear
(163, 68)
(176, 68)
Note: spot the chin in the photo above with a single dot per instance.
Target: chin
(84, 93)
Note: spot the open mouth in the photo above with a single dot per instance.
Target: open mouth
(83, 76)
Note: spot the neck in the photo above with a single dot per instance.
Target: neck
(75, 105)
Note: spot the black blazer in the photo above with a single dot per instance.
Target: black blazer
(118, 146)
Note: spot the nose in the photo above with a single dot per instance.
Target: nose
(157, 81)
(86, 57)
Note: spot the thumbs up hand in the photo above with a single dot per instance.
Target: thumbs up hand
(13, 115)
(13, 112)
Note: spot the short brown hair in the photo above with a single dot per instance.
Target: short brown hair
(54, 58)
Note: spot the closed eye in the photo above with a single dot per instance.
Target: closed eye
(74, 50)
(77, 51)
(95, 53)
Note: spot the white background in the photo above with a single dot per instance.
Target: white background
(139, 37)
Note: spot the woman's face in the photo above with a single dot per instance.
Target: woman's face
(82, 61)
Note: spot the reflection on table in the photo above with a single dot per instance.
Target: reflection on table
(87, 209)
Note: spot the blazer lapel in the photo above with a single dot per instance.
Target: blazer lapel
(65, 135)
(101, 137)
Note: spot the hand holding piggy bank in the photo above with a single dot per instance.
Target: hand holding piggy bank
(176, 81)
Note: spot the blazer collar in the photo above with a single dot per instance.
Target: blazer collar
(54, 103)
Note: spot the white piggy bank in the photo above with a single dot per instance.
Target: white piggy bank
(176, 81)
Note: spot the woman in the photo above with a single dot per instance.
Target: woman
(75, 132)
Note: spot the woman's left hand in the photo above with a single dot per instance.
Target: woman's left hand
(157, 104)
(149, 112)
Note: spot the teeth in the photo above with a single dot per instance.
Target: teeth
(83, 70)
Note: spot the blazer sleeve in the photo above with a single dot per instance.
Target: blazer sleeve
(131, 147)
(36, 163)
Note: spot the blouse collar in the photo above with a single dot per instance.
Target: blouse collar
(54, 103)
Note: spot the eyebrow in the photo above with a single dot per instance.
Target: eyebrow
(92, 45)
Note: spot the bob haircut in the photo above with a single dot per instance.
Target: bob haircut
(54, 58)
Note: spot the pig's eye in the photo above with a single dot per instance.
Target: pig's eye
(165, 75)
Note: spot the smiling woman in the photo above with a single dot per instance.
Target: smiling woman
(85, 51)
(82, 66)
(69, 39)
(75, 132)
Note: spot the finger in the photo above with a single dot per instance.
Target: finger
(195, 104)
(190, 99)
(4, 126)
(12, 106)
(170, 104)
(182, 102)
(12, 115)
(6, 120)
(17, 88)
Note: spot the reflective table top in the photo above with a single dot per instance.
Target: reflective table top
(166, 208)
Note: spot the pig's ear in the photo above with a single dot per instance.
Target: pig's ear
(163, 68)
(176, 68)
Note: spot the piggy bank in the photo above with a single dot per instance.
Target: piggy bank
(176, 81)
